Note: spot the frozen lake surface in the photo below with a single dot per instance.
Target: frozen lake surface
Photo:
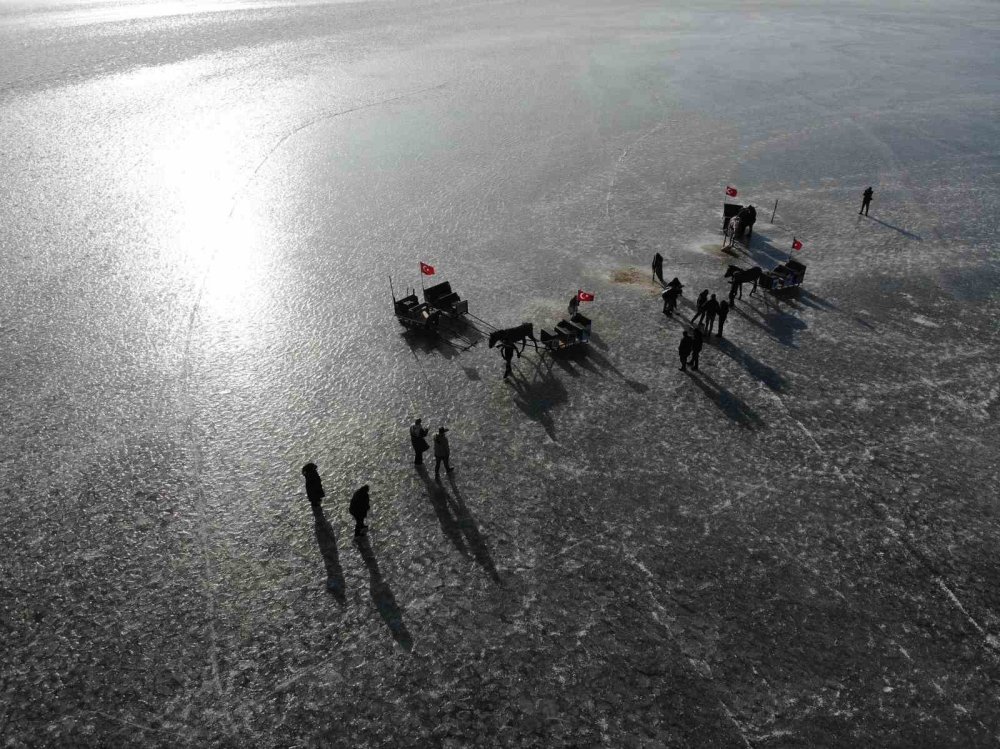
(200, 204)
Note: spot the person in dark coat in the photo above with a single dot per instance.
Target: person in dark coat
(866, 200)
(723, 314)
(711, 310)
(734, 287)
(360, 504)
(670, 296)
(574, 304)
(658, 267)
(442, 451)
(314, 485)
(417, 439)
(696, 348)
(700, 314)
(684, 350)
(507, 351)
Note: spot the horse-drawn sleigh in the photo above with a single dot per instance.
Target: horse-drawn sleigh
(782, 277)
(737, 221)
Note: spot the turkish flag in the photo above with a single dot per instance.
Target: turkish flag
(730, 191)
(584, 296)
(427, 270)
(796, 244)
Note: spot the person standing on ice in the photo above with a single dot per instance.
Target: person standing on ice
(658, 267)
(866, 200)
(734, 287)
(442, 451)
(420, 446)
(696, 348)
(360, 505)
(314, 485)
(507, 351)
(574, 304)
(711, 310)
(723, 314)
(700, 314)
(684, 350)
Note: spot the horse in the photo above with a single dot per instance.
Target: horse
(741, 276)
(732, 230)
(747, 218)
(518, 334)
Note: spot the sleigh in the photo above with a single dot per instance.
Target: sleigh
(784, 277)
(567, 334)
(442, 298)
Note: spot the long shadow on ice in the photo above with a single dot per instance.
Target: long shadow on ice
(327, 542)
(439, 501)
(382, 596)
(904, 232)
(779, 325)
(761, 252)
(536, 398)
(728, 403)
(602, 361)
(767, 375)
(470, 529)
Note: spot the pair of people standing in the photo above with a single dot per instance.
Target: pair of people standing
(689, 349)
(442, 450)
(709, 309)
(360, 501)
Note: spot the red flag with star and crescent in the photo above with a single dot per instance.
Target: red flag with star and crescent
(730, 191)
(427, 270)
(796, 244)
(584, 296)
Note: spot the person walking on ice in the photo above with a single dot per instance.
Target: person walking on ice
(700, 314)
(711, 310)
(684, 349)
(723, 314)
(360, 505)
(507, 351)
(658, 267)
(417, 439)
(442, 452)
(314, 486)
(866, 200)
(696, 345)
(670, 295)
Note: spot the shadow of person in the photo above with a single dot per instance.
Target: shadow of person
(439, 501)
(467, 523)
(904, 232)
(327, 542)
(767, 375)
(729, 404)
(382, 596)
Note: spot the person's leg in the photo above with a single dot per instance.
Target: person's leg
(447, 463)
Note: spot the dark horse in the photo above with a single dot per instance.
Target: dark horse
(518, 334)
(741, 276)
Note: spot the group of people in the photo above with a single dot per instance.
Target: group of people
(361, 500)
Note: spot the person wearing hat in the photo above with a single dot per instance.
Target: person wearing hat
(417, 435)
(314, 485)
(360, 504)
(442, 452)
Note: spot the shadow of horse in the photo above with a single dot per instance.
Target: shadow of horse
(734, 408)
(327, 542)
(382, 597)
(757, 369)
(537, 398)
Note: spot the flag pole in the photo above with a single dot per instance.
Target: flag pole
(793, 245)
(774, 211)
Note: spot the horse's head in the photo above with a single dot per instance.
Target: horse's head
(732, 270)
